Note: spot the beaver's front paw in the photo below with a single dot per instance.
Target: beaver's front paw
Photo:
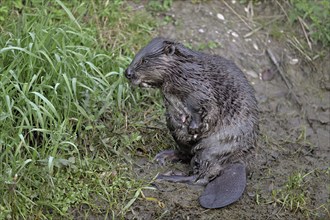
(205, 128)
(166, 155)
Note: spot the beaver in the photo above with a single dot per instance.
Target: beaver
(211, 112)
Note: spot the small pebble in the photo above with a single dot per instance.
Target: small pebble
(267, 75)
(201, 30)
(220, 16)
(251, 73)
(255, 46)
(234, 34)
(293, 61)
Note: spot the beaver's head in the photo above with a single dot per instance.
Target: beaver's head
(152, 64)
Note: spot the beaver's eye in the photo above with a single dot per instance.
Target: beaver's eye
(144, 61)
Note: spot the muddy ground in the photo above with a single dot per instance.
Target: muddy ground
(295, 123)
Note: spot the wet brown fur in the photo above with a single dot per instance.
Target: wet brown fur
(208, 91)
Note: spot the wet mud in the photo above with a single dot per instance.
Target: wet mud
(295, 120)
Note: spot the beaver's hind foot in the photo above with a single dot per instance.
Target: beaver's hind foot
(175, 178)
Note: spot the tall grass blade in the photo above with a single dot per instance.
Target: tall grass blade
(68, 13)
(49, 104)
(19, 49)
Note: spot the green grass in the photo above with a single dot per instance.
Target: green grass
(159, 5)
(304, 24)
(316, 15)
(71, 125)
(294, 194)
(65, 143)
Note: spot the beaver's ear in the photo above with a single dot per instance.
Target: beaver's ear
(169, 49)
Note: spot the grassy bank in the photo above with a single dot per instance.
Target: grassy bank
(65, 105)
(71, 128)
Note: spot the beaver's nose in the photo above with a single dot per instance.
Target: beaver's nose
(128, 73)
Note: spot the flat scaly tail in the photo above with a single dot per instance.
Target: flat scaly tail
(226, 188)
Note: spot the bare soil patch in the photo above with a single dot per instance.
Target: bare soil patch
(294, 141)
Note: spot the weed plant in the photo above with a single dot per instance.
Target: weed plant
(64, 104)
(317, 14)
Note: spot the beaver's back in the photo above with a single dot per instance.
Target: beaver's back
(234, 123)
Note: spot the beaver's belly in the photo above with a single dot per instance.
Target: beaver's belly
(178, 122)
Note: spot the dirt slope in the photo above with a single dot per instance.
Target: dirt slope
(294, 136)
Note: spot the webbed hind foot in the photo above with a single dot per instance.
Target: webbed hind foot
(175, 178)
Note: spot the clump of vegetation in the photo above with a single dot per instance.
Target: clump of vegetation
(304, 23)
(313, 20)
(317, 16)
(62, 95)
(159, 5)
(203, 46)
(293, 194)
